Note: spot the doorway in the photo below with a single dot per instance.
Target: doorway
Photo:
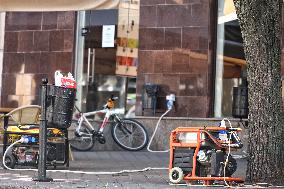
(97, 78)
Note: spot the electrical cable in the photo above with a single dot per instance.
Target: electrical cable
(154, 133)
(5, 154)
(22, 140)
(229, 152)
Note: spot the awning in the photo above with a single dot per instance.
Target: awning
(55, 5)
(229, 12)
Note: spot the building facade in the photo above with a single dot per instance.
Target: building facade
(35, 45)
(190, 48)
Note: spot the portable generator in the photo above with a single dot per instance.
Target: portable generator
(198, 155)
(27, 154)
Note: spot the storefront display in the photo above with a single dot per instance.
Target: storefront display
(127, 38)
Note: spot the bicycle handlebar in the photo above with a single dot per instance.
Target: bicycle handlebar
(110, 102)
(234, 129)
(112, 98)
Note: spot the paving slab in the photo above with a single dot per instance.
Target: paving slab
(91, 163)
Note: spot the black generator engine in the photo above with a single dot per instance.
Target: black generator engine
(28, 155)
(209, 162)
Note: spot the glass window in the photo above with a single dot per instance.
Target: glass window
(110, 57)
(230, 61)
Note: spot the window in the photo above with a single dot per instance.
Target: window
(230, 61)
(108, 68)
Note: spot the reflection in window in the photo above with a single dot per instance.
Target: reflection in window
(230, 61)
(109, 69)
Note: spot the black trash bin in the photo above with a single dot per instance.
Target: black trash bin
(149, 97)
(240, 102)
(60, 104)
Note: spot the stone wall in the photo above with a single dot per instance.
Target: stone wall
(36, 44)
(175, 51)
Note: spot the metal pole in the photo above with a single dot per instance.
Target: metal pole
(42, 136)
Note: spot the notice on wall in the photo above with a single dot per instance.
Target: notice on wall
(108, 36)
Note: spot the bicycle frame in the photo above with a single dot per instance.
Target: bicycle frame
(108, 113)
(121, 129)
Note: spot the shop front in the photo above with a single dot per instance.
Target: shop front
(192, 49)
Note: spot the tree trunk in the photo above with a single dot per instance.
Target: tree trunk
(260, 22)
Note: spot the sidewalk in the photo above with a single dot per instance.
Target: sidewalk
(105, 161)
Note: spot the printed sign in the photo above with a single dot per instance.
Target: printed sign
(108, 36)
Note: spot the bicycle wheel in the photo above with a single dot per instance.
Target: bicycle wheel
(130, 135)
(84, 142)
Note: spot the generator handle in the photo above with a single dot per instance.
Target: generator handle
(234, 129)
(236, 141)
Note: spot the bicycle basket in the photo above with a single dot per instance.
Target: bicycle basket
(60, 106)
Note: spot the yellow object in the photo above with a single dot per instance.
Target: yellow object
(13, 137)
(30, 130)
(110, 104)
(56, 131)
(23, 129)
(229, 7)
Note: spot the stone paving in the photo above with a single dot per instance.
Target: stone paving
(105, 161)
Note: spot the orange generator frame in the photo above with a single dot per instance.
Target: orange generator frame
(199, 138)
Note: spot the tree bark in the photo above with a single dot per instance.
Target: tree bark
(260, 22)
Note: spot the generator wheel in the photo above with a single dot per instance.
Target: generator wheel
(176, 175)
(10, 161)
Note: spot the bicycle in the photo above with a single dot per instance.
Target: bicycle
(129, 134)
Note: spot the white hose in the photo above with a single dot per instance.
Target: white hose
(156, 128)
(110, 173)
